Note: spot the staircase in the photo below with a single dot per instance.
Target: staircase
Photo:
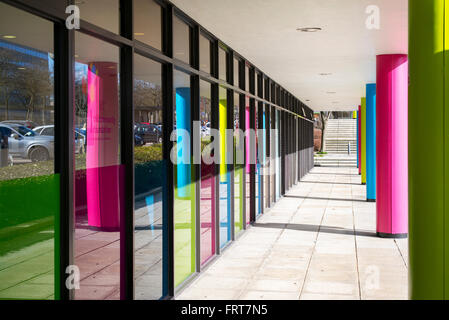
(341, 136)
(340, 143)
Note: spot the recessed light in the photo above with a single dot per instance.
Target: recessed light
(21, 68)
(9, 37)
(325, 74)
(331, 92)
(139, 33)
(307, 100)
(309, 29)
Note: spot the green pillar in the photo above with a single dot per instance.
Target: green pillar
(363, 134)
(428, 149)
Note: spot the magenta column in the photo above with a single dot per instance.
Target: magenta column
(391, 144)
(102, 160)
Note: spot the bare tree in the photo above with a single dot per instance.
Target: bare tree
(324, 116)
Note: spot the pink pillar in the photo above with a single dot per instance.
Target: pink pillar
(102, 162)
(392, 145)
(248, 140)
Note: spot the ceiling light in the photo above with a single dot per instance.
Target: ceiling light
(325, 74)
(21, 68)
(309, 29)
(9, 37)
(331, 92)
(307, 100)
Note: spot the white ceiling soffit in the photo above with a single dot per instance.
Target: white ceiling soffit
(264, 32)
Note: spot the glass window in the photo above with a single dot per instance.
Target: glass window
(207, 208)
(272, 154)
(184, 186)
(99, 173)
(258, 160)
(265, 159)
(102, 13)
(278, 154)
(239, 158)
(256, 84)
(148, 23)
(205, 47)
(29, 186)
(222, 64)
(181, 40)
(224, 176)
(247, 161)
(236, 72)
(246, 78)
(149, 180)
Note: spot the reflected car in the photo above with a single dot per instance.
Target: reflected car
(26, 123)
(138, 141)
(148, 132)
(26, 144)
(80, 136)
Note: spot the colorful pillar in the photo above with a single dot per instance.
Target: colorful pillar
(392, 150)
(183, 169)
(359, 140)
(363, 140)
(428, 123)
(371, 142)
(102, 167)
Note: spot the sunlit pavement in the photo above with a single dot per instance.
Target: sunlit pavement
(317, 242)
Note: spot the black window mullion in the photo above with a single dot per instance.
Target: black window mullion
(64, 47)
(127, 154)
(252, 125)
(195, 116)
(168, 196)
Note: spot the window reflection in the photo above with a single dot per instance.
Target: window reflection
(224, 175)
(148, 23)
(181, 40)
(109, 9)
(184, 187)
(238, 166)
(207, 198)
(236, 72)
(99, 175)
(149, 179)
(205, 47)
(222, 64)
(29, 187)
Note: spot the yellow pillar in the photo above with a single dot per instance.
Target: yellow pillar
(363, 134)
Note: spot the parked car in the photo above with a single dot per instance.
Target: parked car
(138, 141)
(27, 144)
(26, 123)
(148, 132)
(80, 136)
(48, 130)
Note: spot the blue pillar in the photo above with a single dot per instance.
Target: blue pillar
(183, 123)
(371, 142)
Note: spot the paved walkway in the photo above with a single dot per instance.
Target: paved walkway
(317, 242)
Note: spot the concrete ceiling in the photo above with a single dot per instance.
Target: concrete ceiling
(264, 31)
